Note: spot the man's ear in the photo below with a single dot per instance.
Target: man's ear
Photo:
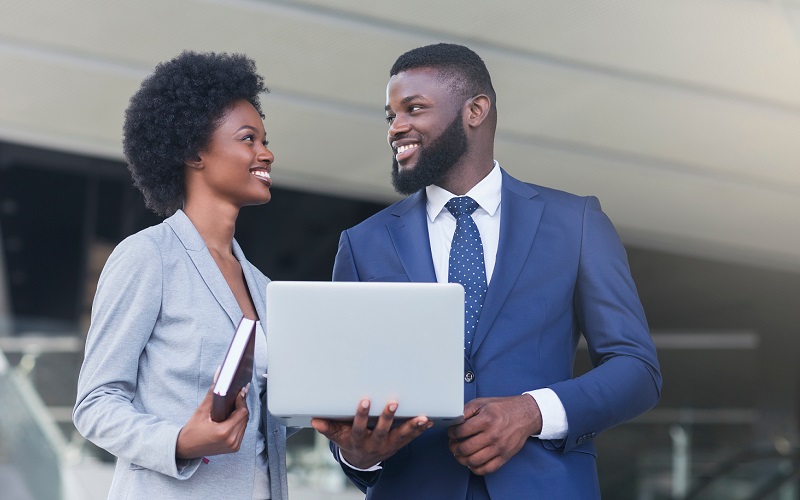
(195, 163)
(478, 109)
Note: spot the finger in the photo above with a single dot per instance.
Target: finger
(384, 424)
(487, 468)
(241, 399)
(241, 426)
(240, 411)
(473, 407)
(451, 444)
(233, 440)
(205, 404)
(479, 458)
(361, 420)
(412, 429)
(466, 429)
(463, 460)
(331, 429)
(455, 432)
(471, 446)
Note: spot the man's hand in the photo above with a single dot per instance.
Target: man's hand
(493, 431)
(202, 437)
(363, 447)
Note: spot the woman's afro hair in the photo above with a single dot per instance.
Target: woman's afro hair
(171, 118)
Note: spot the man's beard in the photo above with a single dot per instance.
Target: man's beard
(434, 161)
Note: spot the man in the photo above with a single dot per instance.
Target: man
(548, 266)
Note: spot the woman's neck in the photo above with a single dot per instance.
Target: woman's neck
(216, 225)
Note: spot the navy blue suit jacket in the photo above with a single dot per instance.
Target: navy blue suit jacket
(561, 272)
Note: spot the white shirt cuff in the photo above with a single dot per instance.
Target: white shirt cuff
(375, 467)
(554, 417)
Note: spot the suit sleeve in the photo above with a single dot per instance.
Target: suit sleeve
(344, 269)
(124, 313)
(626, 379)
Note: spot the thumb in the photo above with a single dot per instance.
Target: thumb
(321, 426)
(241, 398)
(210, 393)
(472, 408)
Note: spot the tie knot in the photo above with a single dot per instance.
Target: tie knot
(461, 205)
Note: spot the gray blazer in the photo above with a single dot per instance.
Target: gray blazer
(162, 319)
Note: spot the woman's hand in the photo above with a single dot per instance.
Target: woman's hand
(202, 437)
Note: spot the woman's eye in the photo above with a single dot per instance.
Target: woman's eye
(248, 137)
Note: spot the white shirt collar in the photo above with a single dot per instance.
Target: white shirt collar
(486, 193)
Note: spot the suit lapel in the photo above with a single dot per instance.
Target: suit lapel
(409, 234)
(204, 262)
(520, 214)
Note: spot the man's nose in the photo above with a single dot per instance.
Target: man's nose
(399, 125)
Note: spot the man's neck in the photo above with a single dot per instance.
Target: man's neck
(463, 177)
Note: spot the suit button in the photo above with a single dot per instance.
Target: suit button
(469, 377)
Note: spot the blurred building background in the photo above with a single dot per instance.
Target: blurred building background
(683, 116)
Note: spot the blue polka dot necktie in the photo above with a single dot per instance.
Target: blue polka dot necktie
(466, 263)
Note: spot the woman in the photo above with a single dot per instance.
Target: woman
(170, 296)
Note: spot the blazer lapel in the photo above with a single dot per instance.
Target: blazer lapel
(204, 262)
(520, 215)
(409, 234)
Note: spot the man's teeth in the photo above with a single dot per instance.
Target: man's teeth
(261, 173)
(403, 149)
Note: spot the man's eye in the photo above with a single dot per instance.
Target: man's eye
(414, 108)
(389, 119)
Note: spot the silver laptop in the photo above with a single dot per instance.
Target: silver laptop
(330, 345)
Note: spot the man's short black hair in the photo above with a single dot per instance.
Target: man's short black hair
(172, 116)
(459, 66)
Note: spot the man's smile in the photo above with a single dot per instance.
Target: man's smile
(404, 151)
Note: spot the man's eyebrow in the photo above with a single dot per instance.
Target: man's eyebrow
(406, 100)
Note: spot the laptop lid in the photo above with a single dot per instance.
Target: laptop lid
(332, 344)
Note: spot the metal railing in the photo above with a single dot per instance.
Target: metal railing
(32, 445)
(773, 469)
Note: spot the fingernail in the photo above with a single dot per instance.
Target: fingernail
(392, 407)
(365, 403)
(430, 424)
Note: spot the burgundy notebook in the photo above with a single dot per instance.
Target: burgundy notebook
(236, 370)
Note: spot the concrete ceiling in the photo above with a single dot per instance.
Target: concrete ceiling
(682, 116)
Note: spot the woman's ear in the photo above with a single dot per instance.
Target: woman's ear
(196, 163)
(478, 109)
